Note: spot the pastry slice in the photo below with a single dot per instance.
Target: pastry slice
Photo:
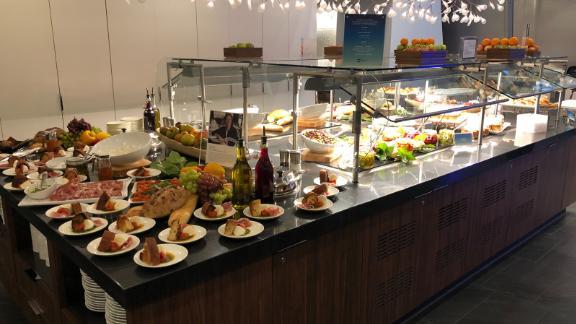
(106, 242)
(175, 232)
(76, 208)
(124, 224)
(323, 176)
(255, 207)
(105, 203)
(321, 189)
(229, 228)
(18, 180)
(151, 253)
(82, 223)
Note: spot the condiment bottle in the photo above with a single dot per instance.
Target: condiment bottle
(264, 174)
(149, 115)
(104, 167)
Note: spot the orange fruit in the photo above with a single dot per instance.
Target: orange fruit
(215, 169)
(415, 41)
(404, 42)
(513, 41)
(486, 41)
(504, 41)
(495, 41)
(529, 42)
(431, 41)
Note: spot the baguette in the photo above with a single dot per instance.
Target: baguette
(182, 215)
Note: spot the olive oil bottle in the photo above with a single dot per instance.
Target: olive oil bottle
(241, 179)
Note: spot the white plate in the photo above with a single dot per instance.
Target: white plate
(504, 126)
(198, 214)
(199, 233)
(147, 223)
(332, 191)
(8, 186)
(119, 205)
(92, 247)
(340, 181)
(58, 163)
(12, 172)
(66, 228)
(180, 253)
(247, 213)
(47, 202)
(152, 173)
(51, 211)
(255, 229)
(36, 176)
(327, 204)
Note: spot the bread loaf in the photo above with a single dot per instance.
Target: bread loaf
(182, 215)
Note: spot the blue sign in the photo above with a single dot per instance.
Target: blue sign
(364, 40)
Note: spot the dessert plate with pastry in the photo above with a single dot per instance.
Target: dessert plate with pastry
(155, 255)
(131, 224)
(82, 224)
(322, 189)
(330, 179)
(240, 228)
(313, 202)
(182, 233)
(143, 173)
(20, 167)
(111, 244)
(66, 211)
(107, 205)
(209, 212)
(257, 210)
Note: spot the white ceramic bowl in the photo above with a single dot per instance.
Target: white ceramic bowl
(124, 148)
(312, 111)
(41, 194)
(315, 146)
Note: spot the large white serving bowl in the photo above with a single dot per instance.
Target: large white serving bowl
(316, 147)
(312, 111)
(124, 148)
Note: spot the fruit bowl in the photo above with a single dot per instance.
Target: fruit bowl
(124, 148)
(315, 145)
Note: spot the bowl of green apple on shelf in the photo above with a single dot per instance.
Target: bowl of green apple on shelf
(242, 50)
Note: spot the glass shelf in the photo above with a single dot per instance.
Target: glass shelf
(554, 76)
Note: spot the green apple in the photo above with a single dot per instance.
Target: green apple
(249, 45)
(163, 130)
(241, 45)
(188, 139)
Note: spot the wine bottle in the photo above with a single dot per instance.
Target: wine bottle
(156, 111)
(264, 174)
(241, 179)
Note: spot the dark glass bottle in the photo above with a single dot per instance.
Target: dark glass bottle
(156, 111)
(264, 175)
(149, 115)
(241, 179)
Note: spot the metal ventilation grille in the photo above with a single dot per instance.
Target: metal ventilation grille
(447, 255)
(395, 240)
(524, 210)
(494, 193)
(489, 232)
(391, 289)
(528, 178)
(452, 213)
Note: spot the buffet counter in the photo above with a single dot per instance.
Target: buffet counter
(390, 243)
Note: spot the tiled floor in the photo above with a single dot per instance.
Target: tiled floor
(536, 284)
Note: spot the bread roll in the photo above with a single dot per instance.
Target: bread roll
(255, 209)
(164, 202)
(182, 215)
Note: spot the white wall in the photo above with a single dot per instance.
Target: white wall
(102, 54)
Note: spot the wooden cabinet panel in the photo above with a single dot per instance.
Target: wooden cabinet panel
(550, 190)
(488, 226)
(570, 175)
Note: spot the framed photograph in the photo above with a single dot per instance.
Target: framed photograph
(468, 47)
(224, 131)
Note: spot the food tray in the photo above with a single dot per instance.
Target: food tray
(27, 201)
(506, 54)
(180, 148)
(420, 58)
(243, 52)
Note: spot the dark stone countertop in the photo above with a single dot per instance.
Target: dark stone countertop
(381, 188)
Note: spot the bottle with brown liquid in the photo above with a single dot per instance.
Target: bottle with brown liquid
(264, 174)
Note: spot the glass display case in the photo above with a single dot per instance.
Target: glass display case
(349, 118)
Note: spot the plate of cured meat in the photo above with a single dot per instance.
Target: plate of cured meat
(83, 192)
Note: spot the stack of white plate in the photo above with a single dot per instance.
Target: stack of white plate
(115, 127)
(94, 298)
(135, 124)
(115, 314)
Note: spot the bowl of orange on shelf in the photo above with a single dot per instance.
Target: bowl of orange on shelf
(508, 48)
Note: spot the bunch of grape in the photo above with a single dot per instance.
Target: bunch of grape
(208, 184)
(221, 196)
(189, 180)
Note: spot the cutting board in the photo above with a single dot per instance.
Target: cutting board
(119, 171)
(308, 156)
(310, 123)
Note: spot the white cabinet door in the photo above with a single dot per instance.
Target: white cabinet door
(28, 80)
(81, 39)
(143, 36)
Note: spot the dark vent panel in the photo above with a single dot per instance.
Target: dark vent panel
(452, 213)
(528, 178)
(489, 232)
(449, 254)
(524, 210)
(396, 240)
(494, 193)
(391, 289)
